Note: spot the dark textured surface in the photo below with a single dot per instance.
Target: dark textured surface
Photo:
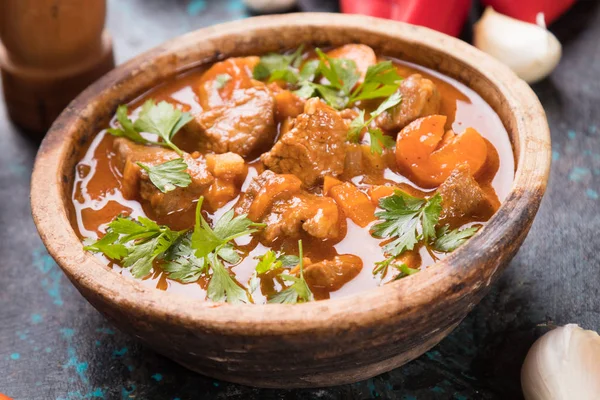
(54, 345)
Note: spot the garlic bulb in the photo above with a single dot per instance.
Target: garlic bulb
(530, 50)
(564, 364)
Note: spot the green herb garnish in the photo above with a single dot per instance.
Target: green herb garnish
(404, 271)
(186, 255)
(221, 80)
(298, 291)
(377, 138)
(182, 264)
(406, 220)
(214, 244)
(449, 240)
(168, 175)
(278, 66)
(340, 88)
(162, 119)
(137, 243)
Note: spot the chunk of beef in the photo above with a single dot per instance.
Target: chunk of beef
(263, 191)
(136, 181)
(243, 125)
(279, 201)
(313, 147)
(334, 273)
(420, 98)
(213, 91)
(318, 216)
(463, 197)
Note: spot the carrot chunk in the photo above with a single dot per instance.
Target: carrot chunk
(356, 204)
(378, 192)
(328, 183)
(428, 155)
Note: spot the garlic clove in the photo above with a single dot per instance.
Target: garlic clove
(564, 364)
(530, 50)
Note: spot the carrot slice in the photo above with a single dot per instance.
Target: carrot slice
(356, 204)
(328, 183)
(235, 73)
(378, 192)
(428, 155)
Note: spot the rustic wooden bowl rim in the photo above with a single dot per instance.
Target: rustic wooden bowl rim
(369, 307)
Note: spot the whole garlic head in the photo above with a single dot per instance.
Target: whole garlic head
(530, 50)
(564, 364)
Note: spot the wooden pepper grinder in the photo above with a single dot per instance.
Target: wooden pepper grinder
(50, 50)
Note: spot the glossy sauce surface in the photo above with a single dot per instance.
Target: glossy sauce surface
(97, 196)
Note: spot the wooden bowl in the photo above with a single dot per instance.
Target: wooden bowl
(321, 343)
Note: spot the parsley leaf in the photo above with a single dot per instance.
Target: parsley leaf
(406, 220)
(163, 120)
(404, 271)
(182, 264)
(137, 243)
(168, 175)
(298, 291)
(288, 260)
(221, 80)
(379, 141)
(126, 130)
(356, 127)
(381, 268)
(278, 66)
(449, 240)
(377, 138)
(109, 245)
(213, 244)
(270, 261)
(309, 70)
(222, 287)
(388, 103)
(341, 73)
(267, 262)
(381, 80)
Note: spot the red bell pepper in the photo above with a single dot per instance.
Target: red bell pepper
(447, 16)
(527, 10)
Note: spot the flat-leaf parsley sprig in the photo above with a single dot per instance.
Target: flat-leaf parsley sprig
(335, 80)
(161, 119)
(377, 138)
(136, 243)
(184, 255)
(298, 291)
(406, 221)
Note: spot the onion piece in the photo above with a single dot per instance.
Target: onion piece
(530, 50)
(564, 364)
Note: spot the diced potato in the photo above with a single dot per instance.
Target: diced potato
(226, 166)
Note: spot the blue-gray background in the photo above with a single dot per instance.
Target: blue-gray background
(54, 345)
